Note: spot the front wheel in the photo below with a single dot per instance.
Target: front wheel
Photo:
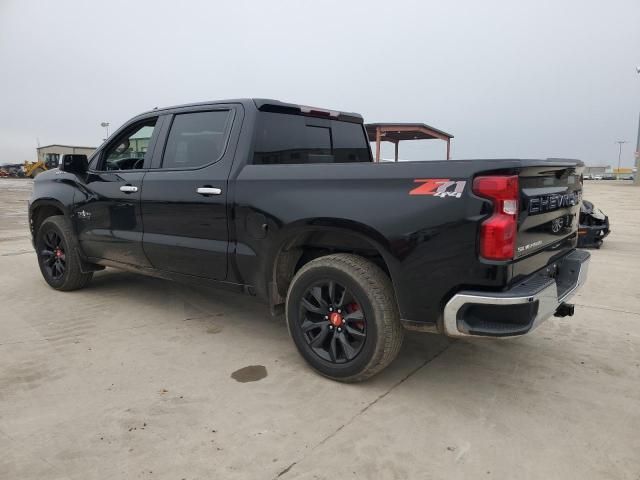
(342, 316)
(59, 263)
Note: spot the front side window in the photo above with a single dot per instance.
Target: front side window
(197, 139)
(129, 151)
(295, 139)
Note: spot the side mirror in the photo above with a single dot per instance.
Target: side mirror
(74, 163)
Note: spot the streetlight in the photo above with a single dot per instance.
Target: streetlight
(106, 126)
(620, 143)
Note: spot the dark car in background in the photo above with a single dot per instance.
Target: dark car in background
(594, 226)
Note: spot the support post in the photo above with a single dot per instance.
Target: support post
(448, 149)
(636, 176)
(397, 143)
(378, 144)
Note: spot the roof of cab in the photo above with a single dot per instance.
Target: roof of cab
(264, 104)
(243, 101)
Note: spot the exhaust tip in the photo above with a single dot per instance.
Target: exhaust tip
(564, 310)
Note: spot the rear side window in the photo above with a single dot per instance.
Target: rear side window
(196, 139)
(295, 139)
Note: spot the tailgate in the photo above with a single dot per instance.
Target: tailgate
(548, 219)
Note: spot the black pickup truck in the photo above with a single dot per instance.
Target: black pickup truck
(284, 202)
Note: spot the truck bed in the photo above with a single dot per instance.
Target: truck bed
(428, 242)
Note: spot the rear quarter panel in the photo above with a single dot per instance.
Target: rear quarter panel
(428, 242)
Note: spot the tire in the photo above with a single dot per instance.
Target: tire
(56, 247)
(361, 334)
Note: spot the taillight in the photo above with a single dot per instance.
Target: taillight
(498, 232)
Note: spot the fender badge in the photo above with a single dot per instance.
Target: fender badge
(439, 187)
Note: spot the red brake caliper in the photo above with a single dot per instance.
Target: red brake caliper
(354, 307)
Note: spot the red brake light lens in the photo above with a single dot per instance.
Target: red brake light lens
(498, 232)
(318, 112)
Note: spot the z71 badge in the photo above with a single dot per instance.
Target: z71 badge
(83, 214)
(439, 187)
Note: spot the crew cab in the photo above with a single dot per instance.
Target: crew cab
(284, 202)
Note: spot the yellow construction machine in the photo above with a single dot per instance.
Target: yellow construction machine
(33, 169)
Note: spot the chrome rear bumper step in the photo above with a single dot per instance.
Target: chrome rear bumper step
(519, 310)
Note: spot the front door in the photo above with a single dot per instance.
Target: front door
(184, 199)
(107, 208)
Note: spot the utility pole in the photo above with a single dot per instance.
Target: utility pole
(636, 175)
(620, 143)
(636, 179)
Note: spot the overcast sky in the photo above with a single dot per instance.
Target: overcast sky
(507, 78)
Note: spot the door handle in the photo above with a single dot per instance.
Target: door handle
(208, 191)
(128, 189)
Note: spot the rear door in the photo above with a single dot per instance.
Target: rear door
(184, 197)
(107, 213)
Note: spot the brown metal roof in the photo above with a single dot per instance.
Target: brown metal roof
(66, 146)
(396, 132)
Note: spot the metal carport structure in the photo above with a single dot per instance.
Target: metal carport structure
(396, 132)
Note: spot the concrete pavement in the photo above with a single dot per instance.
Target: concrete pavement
(132, 377)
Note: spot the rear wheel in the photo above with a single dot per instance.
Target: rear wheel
(57, 258)
(342, 316)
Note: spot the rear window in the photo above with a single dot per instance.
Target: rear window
(295, 139)
(197, 139)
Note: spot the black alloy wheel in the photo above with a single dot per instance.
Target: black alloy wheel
(52, 255)
(59, 262)
(343, 318)
(332, 322)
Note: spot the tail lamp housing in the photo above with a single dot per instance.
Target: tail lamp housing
(498, 232)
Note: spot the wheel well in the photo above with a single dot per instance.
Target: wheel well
(40, 214)
(306, 247)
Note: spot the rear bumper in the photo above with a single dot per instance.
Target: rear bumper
(521, 308)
